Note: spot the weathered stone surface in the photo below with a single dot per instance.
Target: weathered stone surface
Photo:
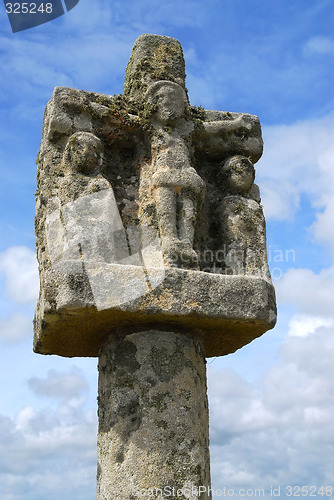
(132, 187)
(228, 311)
(152, 255)
(153, 58)
(153, 418)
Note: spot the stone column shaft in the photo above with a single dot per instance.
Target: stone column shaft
(153, 418)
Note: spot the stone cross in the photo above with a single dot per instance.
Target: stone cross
(152, 256)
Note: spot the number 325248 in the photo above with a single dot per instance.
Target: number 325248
(28, 8)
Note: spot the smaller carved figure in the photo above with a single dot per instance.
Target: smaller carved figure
(92, 226)
(243, 223)
(82, 161)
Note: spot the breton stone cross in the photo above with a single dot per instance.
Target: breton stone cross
(152, 256)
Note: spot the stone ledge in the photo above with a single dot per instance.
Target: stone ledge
(229, 311)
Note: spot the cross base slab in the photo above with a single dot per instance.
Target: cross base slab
(228, 311)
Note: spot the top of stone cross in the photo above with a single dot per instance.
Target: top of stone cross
(153, 58)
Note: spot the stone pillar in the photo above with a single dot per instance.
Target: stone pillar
(153, 417)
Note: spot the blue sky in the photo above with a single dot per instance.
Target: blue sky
(271, 403)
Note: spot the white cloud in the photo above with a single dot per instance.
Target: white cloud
(62, 386)
(228, 390)
(302, 325)
(279, 430)
(322, 45)
(48, 454)
(15, 328)
(19, 266)
(60, 66)
(322, 228)
(297, 159)
(310, 292)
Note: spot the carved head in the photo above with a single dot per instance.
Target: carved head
(83, 153)
(238, 174)
(170, 98)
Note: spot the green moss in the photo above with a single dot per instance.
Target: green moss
(124, 379)
(73, 140)
(159, 401)
(172, 435)
(248, 223)
(196, 114)
(197, 471)
(134, 80)
(149, 210)
(123, 107)
(163, 60)
(104, 100)
(145, 111)
(238, 208)
(186, 394)
(168, 129)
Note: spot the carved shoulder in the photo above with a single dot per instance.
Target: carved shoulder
(221, 134)
(70, 110)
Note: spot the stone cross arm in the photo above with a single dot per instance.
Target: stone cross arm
(219, 132)
(225, 133)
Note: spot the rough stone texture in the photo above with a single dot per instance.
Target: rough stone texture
(153, 418)
(153, 58)
(152, 255)
(229, 311)
(147, 213)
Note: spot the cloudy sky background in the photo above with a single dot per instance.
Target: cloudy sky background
(271, 403)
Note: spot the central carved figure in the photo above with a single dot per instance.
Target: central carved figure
(178, 189)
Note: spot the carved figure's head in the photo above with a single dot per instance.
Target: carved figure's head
(170, 98)
(238, 174)
(83, 153)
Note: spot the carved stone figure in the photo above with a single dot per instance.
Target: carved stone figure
(243, 224)
(152, 256)
(88, 208)
(177, 188)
